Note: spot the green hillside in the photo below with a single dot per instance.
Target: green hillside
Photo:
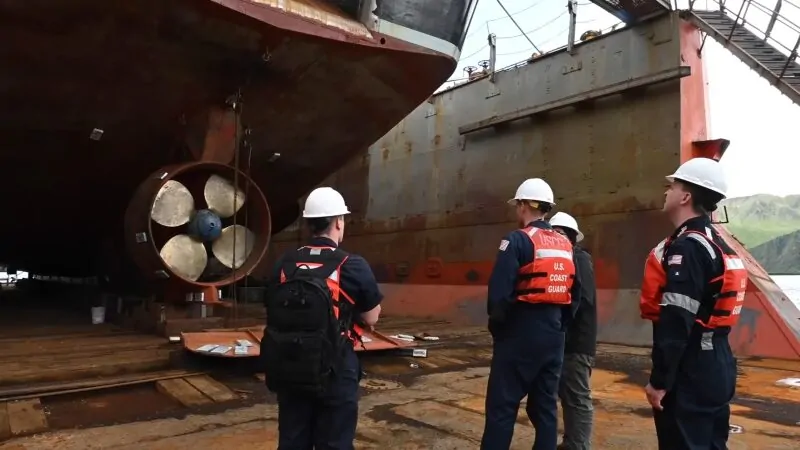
(780, 255)
(770, 228)
(759, 218)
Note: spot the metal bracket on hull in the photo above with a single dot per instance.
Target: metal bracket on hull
(431, 111)
(712, 148)
(494, 89)
(594, 94)
(572, 7)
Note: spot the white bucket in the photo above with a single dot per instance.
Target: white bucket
(98, 315)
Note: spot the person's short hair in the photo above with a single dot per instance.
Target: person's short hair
(542, 207)
(704, 201)
(319, 225)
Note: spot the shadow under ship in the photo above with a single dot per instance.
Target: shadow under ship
(103, 105)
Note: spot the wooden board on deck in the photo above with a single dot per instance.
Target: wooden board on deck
(181, 391)
(196, 390)
(70, 358)
(26, 416)
(211, 388)
(58, 388)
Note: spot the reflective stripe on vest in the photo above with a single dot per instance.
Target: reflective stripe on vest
(729, 301)
(549, 277)
(333, 284)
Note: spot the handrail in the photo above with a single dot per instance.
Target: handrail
(773, 16)
(743, 18)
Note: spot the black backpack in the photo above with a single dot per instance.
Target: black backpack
(304, 342)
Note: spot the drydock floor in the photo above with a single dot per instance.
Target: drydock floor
(415, 403)
(54, 346)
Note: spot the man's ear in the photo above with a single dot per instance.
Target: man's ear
(686, 198)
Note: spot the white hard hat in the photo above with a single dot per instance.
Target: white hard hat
(535, 189)
(704, 172)
(324, 202)
(564, 220)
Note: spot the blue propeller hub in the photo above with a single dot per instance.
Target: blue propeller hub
(205, 225)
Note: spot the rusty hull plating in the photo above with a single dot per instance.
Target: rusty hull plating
(603, 126)
(147, 81)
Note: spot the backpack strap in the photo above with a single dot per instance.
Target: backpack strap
(319, 261)
(323, 262)
(328, 260)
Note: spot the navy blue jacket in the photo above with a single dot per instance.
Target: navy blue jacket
(691, 264)
(503, 308)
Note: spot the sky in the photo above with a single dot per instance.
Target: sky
(762, 124)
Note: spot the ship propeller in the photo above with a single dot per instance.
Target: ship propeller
(187, 254)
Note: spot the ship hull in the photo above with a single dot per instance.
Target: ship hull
(603, 126)
(317, 87)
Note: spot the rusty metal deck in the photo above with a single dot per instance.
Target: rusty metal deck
(437, 403)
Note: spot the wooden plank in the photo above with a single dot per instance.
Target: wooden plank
(41, 371)
(100, 386)
(26, 417)
(71, 347)
(180, 390)
(44, 389)
(211, 388)
(5, 426)
(17, 357)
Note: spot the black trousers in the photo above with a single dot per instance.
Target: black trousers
(697, 412)
(327, 423)
(524, 367)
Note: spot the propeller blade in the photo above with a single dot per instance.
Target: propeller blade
(186, 256)
(173, 205)
(225, 251)
(219, 194)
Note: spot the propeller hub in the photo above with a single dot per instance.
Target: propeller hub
(205, 225)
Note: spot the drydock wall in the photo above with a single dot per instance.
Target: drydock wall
(603, 126)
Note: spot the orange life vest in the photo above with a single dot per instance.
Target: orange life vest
(313, 261)
(730, 299)
(653, 283)
(549, 277)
